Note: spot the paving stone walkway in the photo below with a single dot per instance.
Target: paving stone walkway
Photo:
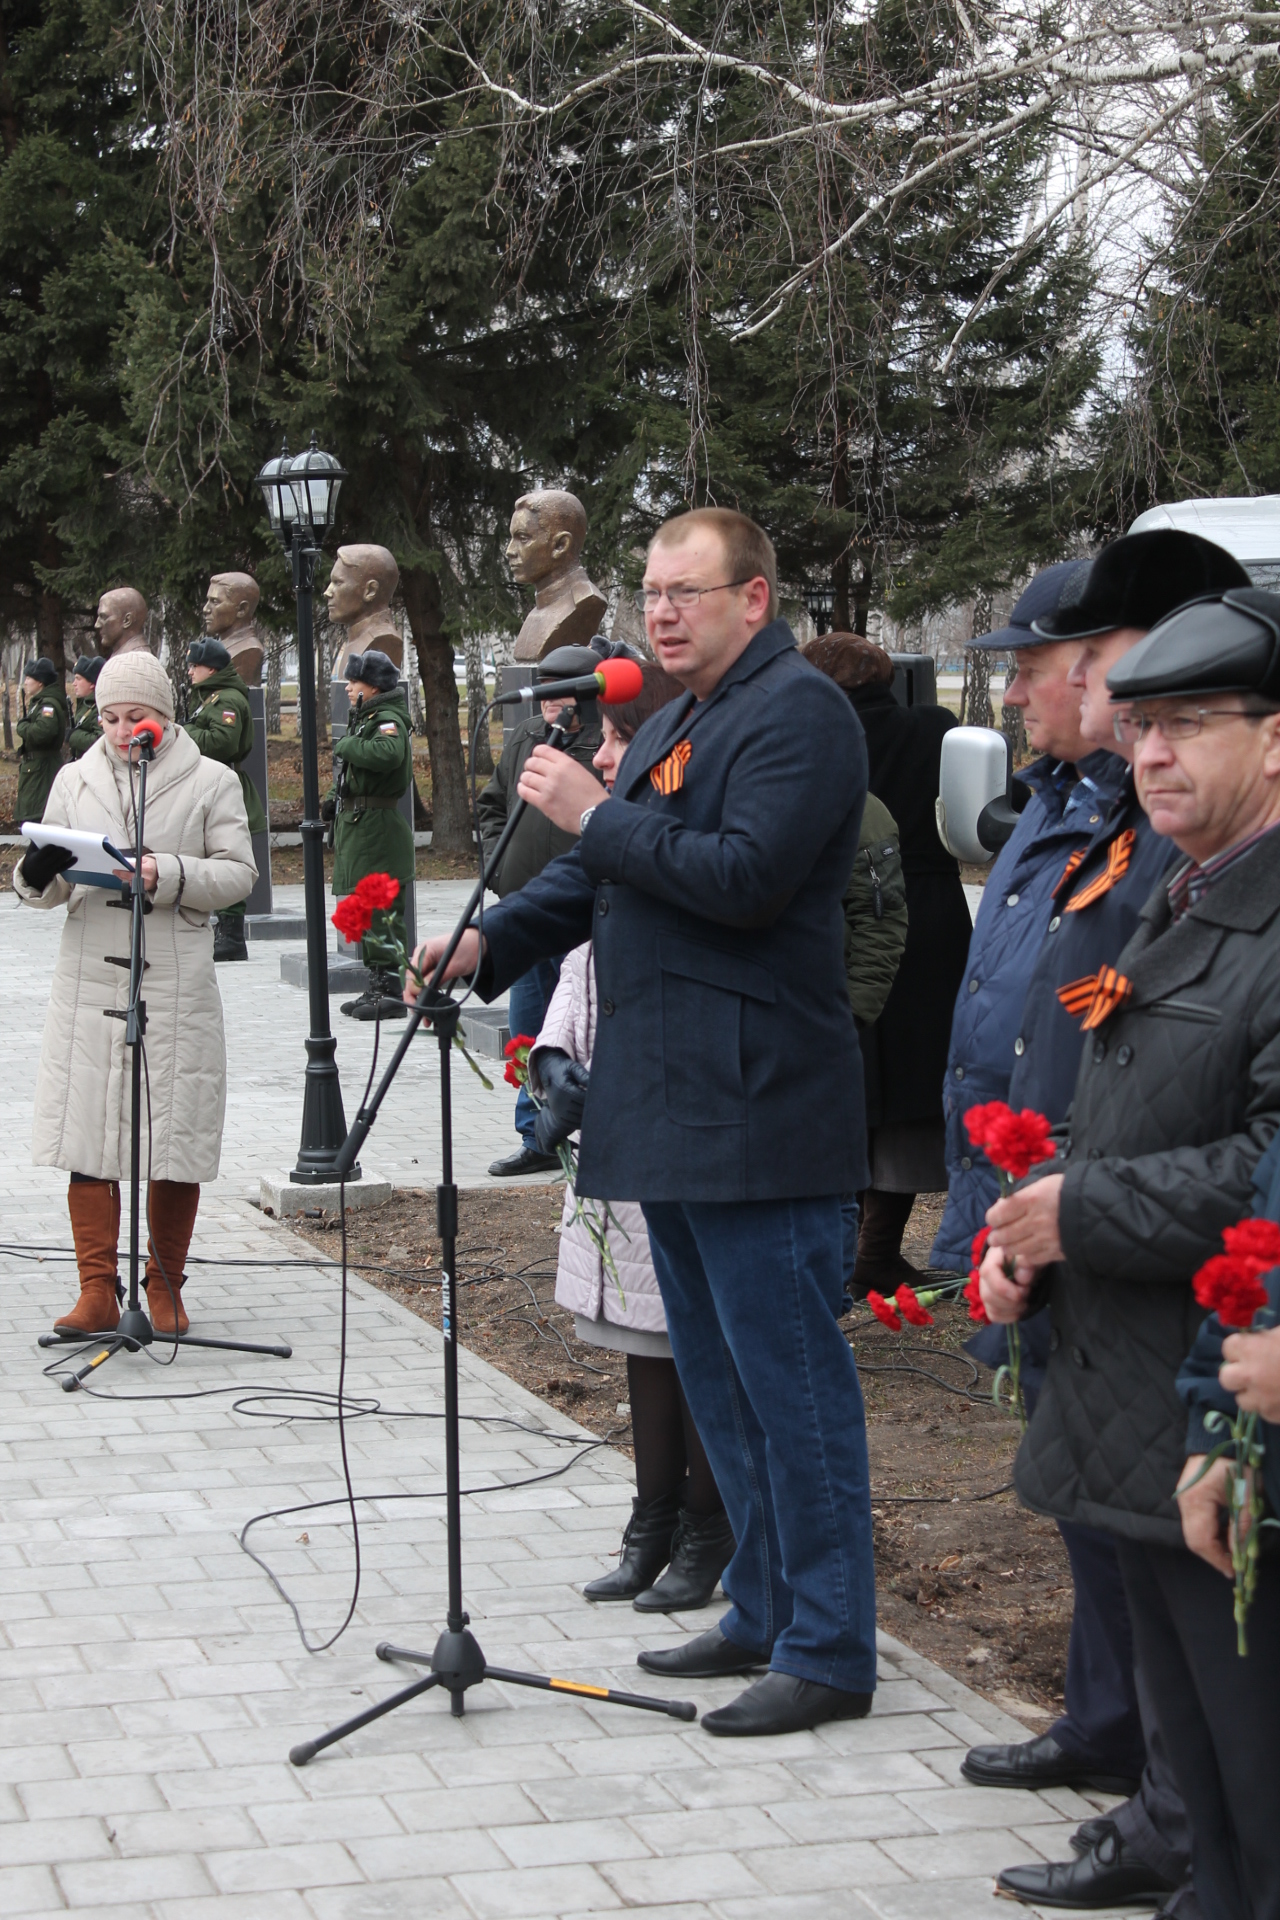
(152, 1680)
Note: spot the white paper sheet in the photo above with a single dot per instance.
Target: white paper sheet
(95, 854)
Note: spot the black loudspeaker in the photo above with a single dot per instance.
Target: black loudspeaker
(915, 680)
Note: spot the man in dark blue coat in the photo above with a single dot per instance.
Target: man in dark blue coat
(726, 1090)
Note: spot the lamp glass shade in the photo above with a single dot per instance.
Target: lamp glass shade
(274, 479)
(315, 480)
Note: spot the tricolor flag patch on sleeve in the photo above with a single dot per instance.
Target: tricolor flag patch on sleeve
(228, 717)
(389, 727)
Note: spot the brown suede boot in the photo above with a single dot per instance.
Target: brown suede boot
(171, 1217)
(94, 1206)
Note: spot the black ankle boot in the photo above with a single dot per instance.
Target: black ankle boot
(646, 1549)
(228, 938)
(700, 1552)
(880, 1262)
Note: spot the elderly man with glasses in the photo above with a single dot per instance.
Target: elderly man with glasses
(1177, 1097)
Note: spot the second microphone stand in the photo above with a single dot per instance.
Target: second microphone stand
(456, 1661)
(135, 1329)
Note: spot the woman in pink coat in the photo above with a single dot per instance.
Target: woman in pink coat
(677, 1516)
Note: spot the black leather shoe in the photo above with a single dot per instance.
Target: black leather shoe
(525, 1161)
(1088, 1834)
(782, 1704)
(1038, 1763)
(646, 1549)
(700, 1552)
(706, 1657)
(1109, 1875)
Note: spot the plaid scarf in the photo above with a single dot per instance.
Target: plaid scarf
(1192, 882)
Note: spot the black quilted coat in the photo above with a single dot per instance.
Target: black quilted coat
(1178, 1095)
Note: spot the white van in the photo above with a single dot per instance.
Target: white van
(1248, 527)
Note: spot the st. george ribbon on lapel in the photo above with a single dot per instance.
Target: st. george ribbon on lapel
(668, 775)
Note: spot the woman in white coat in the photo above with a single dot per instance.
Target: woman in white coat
(199, 860)
(677, 1519)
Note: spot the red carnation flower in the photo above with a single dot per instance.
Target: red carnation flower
(1229, 1286)
(516, 1053)
(1013, 1142)
(909, 1307)
(1254, 1240)
(973, 1295)
(378, 891)
(352, 917)
(883, 1310)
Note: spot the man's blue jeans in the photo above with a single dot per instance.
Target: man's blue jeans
(751, 1293)
(527, 1004)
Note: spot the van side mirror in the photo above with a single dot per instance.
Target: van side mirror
(978, 799)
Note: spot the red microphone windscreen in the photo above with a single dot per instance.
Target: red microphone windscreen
(622, 679)
(148, 730)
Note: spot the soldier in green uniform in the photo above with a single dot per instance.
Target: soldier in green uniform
(42, 731)
(373, 771)
(222, 728)
(85, 724)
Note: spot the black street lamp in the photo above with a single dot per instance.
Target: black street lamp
(821, 603)
(301, 492)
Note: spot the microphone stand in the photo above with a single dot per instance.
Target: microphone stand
(135, 1329)
(456, 1661)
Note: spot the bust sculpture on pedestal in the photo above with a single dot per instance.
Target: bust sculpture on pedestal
(229, 607)
(121, 625)
(548, 530)
(358, 597)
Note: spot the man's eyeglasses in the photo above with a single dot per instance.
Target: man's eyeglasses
(1185, 724)
(647, 598)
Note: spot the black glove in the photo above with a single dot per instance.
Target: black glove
(42, 864)
(328, 808)
(564, 1095)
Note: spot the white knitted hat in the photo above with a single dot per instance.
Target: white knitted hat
(135, 679)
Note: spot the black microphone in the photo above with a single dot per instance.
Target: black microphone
(613, 683)
(147, 734)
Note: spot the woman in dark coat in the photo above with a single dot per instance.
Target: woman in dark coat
(904, 1053)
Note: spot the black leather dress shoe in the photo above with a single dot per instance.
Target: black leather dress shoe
(1109, 1875)
(705, 1657)
(1039, 1763)
(1088, 1833)
(782, 1704)
(525, 1161)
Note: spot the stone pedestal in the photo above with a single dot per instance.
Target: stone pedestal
(260, 900)
(280, 1197)
(509, 678)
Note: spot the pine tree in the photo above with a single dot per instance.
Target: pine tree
(73, 182)
(1202, 412)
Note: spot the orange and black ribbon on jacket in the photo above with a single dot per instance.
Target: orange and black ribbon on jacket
(1096, 996)
(1119, 854)
(668, 775)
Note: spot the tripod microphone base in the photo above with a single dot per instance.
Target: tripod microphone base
(135, 1329)
(456, 1664)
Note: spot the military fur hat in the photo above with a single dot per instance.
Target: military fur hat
(42, 670)
(208, 653)
(1138, 581)
(375, 669)
(1225, 643)
(89, 666)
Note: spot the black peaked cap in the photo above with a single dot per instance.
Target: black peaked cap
(566, 663)
(1138, 581)
(1225, 643)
